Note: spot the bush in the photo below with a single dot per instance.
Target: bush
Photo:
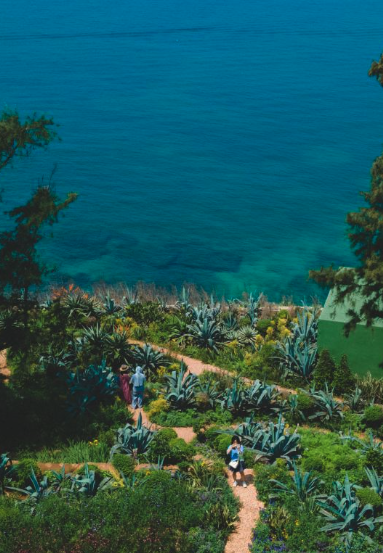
(124, 464)
(373, 416)
(176, 418)
(305, 403)
(344, 380)
(160, 445)
(158, 406)
(325, 370)
(206, 541)
(22, 475)
(374, 459)
(263, 475)
(221, 443)
(368, 496)
(180, 451)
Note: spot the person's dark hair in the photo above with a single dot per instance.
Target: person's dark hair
(235, 439)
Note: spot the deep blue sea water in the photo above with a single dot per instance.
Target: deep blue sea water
(211, 141)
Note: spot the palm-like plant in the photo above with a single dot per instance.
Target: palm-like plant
(344, 513)
(133, 440)
(79, 306)
(303, 486)
(276, 443)
(206, 334)
(149, 359)
(181, 390)
(328, 407)
(94, 384)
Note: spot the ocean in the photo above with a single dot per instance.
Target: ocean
(213, 142)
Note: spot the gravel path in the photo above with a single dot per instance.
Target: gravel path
(4, 371)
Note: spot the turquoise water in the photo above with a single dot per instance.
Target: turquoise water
(213, 142)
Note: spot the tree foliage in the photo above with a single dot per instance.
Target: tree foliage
(18, 138)
(366, 240)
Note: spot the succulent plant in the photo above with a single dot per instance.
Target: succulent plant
(344, 513)
(290, 406)
(181, 389)
(277, 443)
(80, 305)
(306, 329)
(296, 357)
(88, 483)
(6, 469)
(234, 398)
(364, 446)
(206, 334)
(376, 481)
(133, 440)
(94, 384)
(53, 363)
(110, 306)
(148, 358)
(355, 400)
(117, 349)
(249, 432)
(209, 390)
(131, 297)
(303, 486)
(93, 341)
(246, 336)
(328, 408)
(261, 397)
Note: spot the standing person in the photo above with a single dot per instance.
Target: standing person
(125, 384)
(237, 464)
(138, 383)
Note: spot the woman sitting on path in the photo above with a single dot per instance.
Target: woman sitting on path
(125, 384)
(237, 464)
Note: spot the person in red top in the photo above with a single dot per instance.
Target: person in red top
(125, 384)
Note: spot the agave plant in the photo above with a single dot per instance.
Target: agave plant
(230, 325)
(210, 392)
(274, 442)
(133, 440)
(290, 406)
(234, 398)
(6, 469)
(110, 306)
(54, 363)
(249, 432)
(181, 390)
(328, 407)
(364, 446)
(149, 359)
(183, 302)
(94, 340)
(206, 334)
(117, 349)
(303, 486)
(59, 478)
(36, 492)
(253, 308)
(376, 481)
(94, 384)
(306, 329)
(297, 358)
(88, 483)
(80, 305)
(344, 513)
(246, 336)
(179, 331)
(261, 397)
(355, 400)
(131, 297)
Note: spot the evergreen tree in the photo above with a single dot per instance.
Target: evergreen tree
(19, 138)
(325, 370)
(344, 380)
(20, 267)
(366, 239)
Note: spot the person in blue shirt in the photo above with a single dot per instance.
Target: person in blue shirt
(237, 464)
(138, 383)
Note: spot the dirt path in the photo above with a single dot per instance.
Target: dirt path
(4, 371)
(240, 539)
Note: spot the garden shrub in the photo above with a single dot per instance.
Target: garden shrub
(305, 403)
(176, 418)
(325, 370)
(180, 450)
(158, 406)
(263, 474)
(160, 445)
(124, 463)
(374, 459)
(206, 541)
(368, 496)
(344, 380)
(22, 475)
(373, 416)
(221, 443)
